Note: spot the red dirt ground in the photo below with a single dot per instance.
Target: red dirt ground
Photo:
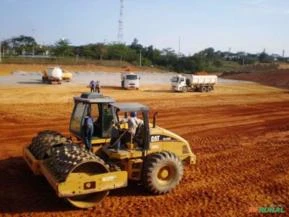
(240, 134)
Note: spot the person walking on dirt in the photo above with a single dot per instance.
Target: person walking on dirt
(92, 86)
(88, 131)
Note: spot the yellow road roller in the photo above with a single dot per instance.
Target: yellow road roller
(151, 155)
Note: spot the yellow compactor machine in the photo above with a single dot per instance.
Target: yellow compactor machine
(154, 156)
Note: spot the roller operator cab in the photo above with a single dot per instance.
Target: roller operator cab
(148, 138)
(99, 108)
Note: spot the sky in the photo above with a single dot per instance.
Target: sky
(188, 25)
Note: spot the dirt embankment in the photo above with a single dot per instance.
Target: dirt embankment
(239, 133)
(276, 78)
(276, 75)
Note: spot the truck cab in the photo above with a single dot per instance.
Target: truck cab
(130, 81)
(178, 83)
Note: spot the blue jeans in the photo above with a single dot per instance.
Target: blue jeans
(87, 137)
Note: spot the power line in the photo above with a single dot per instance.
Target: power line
(120, 22)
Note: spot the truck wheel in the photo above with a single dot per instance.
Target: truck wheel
(44, 80)
(210, 88)
(203, 89)
(184, 89)
(162, 172)
(42, 143)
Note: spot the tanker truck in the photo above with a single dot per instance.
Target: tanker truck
(54, 75)
(201, 83)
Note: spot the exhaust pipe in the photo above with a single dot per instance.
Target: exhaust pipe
(154, 119)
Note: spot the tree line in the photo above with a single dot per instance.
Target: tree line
(136, 54)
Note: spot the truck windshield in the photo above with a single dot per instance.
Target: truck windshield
(174, 79)
(131, 77)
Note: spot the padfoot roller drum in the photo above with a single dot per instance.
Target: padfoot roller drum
(68, 160)
(42, 143)
(79, 176)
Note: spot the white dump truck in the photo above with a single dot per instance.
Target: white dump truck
(201, 83)
(130, 80)
(54, 75)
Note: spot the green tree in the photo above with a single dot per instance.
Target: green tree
(62, 48)
(265, 58)
(121, 52)
(136, 46)
(21, 44)
(101, 50)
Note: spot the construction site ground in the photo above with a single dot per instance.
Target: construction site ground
(239, 132)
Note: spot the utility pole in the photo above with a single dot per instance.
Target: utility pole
(120, 23)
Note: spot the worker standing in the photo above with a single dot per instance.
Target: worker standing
(133, 123)
(97, 86)
(88, 129)
(92, 86)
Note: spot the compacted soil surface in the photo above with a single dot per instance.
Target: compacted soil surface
(239, 133)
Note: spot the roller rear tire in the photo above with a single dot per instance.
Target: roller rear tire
(162, 172)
